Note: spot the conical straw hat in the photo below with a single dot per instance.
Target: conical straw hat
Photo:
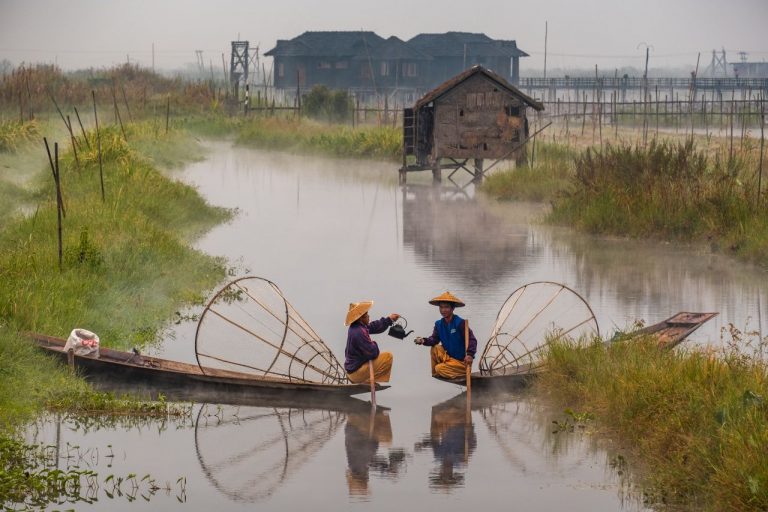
(447, 297)
(356, 310)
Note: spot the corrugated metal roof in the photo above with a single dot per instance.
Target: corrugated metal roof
(446, 86)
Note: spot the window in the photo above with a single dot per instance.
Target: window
(410, 69)
(342, 64)
(323, 64)
(385, 68)
(281, 70)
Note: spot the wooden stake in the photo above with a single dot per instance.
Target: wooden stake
(59, 199)
(117, 111)
(74, 143)
(167, 112)
(125, 100)
(59, 205)
(98, 142)
(82, 130)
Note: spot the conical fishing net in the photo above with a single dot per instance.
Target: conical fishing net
(249, 327)
(533, 316)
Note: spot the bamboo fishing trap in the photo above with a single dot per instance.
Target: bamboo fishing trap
(533, 316)
(249, 327)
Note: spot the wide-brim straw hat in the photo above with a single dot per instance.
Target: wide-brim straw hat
(356, 310)
(447, 297)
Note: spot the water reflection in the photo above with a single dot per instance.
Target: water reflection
(247, 453)
(455, 234)
(363, 435)
(452, 440)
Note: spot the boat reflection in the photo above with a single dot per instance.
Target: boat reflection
(248, 452)
(364, 434)
(452, 440)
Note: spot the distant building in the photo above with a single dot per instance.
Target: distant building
(364, 62)
(750, 69)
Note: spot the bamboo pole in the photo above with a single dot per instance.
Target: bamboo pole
(125, 100)
(59, 204)
(98, 145)
(82, 130)
(59, 199)
(74, 143)
(117, 111)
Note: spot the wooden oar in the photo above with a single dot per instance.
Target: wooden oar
(373, 383)
(469, 366)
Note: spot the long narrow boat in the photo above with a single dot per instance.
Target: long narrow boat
(669, 333)
(675, 329)
(144, 370)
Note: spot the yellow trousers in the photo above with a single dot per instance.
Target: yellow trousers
(382, 368)
(445, 366)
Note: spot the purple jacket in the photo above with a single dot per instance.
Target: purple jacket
(360, 347)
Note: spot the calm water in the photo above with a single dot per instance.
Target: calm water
(332, 232)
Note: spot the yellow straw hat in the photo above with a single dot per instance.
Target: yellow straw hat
(447, 297)
(356, 310)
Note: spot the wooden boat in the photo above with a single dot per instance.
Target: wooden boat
(675, 329)
(144, 370)
(669, 333)
(506, 378)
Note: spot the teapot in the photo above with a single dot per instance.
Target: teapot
(398, 331)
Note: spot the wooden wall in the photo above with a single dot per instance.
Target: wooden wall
(477, 119)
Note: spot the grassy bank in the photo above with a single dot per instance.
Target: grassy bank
(127, 266)
(668, 190)
(549, 175)
(692, 425)
(304, 136)
(673, 190)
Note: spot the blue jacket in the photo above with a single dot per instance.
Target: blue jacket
(451, 335)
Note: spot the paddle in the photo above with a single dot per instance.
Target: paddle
(469, 366)
(373, 383)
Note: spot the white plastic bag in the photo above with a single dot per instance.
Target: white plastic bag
(84, 343)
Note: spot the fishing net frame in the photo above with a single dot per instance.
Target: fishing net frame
(498, 356)
(319, 358)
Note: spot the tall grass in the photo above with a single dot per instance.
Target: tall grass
(127, 264)
(550, 174)
(383, 143)
(669, 190)
(695, 426)
(13, 134)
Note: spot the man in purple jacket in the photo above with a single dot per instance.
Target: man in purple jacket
(361, 348)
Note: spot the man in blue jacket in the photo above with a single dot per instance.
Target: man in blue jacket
(449, 355)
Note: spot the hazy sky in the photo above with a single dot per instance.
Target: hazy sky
(84, 33)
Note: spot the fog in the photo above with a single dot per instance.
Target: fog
(85, 33)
